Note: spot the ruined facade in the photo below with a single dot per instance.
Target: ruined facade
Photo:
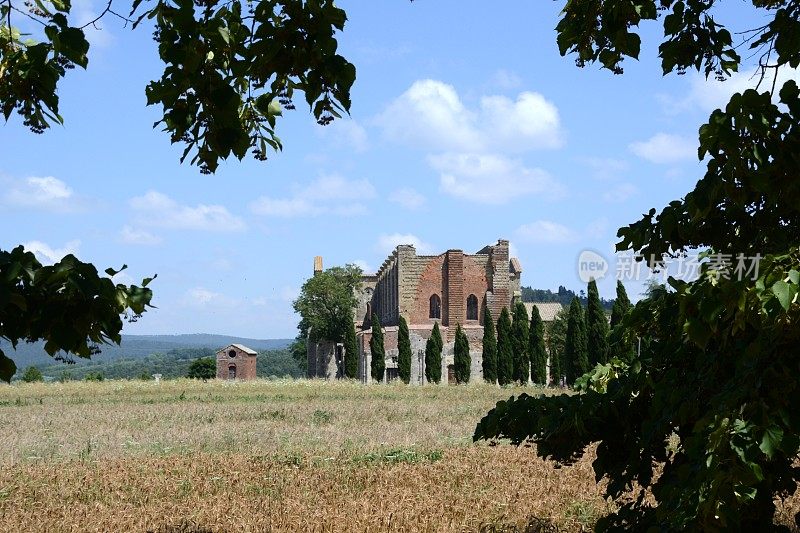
(449, 288)
(236, 361)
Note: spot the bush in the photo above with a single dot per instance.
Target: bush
(94, 376)
(32, 375)
(204, 368)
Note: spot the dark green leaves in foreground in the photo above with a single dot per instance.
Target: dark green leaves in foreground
(231, 67)
(67, 305)
(30, 70)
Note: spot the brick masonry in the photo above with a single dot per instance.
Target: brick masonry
(403, 286)
(233, 358)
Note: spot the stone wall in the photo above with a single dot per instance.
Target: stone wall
(419, 337)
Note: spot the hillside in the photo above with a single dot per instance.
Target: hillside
(139, 346)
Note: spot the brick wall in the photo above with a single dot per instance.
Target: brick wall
(245, 364)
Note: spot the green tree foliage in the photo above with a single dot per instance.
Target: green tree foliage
(350, 352)
(576, 362)
(376, 348)
(489, 362)
(230, 68)
(204, 368)
(505, 349)
(461, 359)
(94, 376)
(404, 352)
(622, 305)
(278, 363)
(433, 356)
(299, 350)
(536, 348)
(32, 375)
(563, 296)
(519, 343)
(622, 341)
(67, 305)
(556, 343)
(719, 377)
(326, 303)
(596, 327)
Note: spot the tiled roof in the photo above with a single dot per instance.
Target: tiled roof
(241, 347)
(547, 310)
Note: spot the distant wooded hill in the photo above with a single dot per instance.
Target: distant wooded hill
(172, 364)
(563, 296)
(139, 346)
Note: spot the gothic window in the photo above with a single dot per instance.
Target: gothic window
(436, 307)
(472, 307)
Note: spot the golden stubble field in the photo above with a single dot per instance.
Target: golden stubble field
(183, 456)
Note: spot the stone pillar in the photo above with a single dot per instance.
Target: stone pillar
(454, 290)
(501, 294)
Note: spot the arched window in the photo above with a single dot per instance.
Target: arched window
(436, 307)
(232, 372)
(472, 307)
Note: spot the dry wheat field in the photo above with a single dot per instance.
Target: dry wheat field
(187, 456)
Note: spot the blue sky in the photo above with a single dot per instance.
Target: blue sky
(467, 126)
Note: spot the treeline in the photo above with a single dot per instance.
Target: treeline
(563, 296)
(579, 338)
(172, 364)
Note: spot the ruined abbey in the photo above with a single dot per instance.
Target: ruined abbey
(448, 288)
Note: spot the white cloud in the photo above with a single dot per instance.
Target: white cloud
(47, 193)
(346, 133)
(408, 198)
(664, 148)
(491, 179)
(528, 123)
(330, 194)
(431, 115)
(200, 296)
(48, 255)
(363, 265)
(159, 210)
(709, 94)
(388, 242)
(131, 235)
(545, 231)
(620, 192)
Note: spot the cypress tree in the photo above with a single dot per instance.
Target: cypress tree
(596, 328)
(489, 348)
(536, 348)
(404, 352)
(505, 349)
(621, 339)
(433, 356)
(461, 358)
(378, 365)
(621, 305)
(519, 341)
(575, 362)
(350, 351)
